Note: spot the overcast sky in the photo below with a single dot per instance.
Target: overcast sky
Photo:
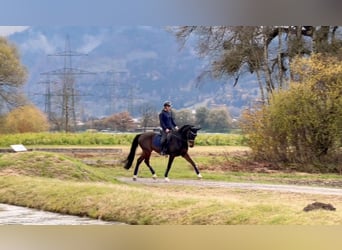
(169, 12)
(8, 30)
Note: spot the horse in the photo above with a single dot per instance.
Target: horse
(178, 144)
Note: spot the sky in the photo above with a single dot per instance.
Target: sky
(175, 12)
(9, 30)
(114, 12)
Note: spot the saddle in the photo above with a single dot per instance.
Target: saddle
(157, 140)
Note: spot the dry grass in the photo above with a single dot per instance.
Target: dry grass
(57, 183)
(171, 205)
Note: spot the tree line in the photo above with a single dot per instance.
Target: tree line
(299, 117)
(210, 120)
(28, 118)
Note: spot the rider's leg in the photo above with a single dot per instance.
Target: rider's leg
(163, 142)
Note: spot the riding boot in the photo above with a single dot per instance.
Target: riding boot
(163, 150)
(163, 143)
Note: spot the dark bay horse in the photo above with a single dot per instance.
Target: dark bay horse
(179, 142)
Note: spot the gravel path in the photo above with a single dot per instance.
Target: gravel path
(251, 186)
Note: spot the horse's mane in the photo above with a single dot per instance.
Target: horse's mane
(184, 128)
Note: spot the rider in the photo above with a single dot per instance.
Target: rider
(167, 124)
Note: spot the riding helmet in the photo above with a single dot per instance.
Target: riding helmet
(167, 103)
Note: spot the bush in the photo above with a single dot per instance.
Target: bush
(25, 119)
(302, 124)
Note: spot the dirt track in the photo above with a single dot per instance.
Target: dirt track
(236, 185)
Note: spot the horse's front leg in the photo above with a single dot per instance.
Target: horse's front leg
(187, 157)
(171, 158)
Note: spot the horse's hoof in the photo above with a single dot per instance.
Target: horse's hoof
(167, 179)
(154, 177)
(135, 178)
(199, 176)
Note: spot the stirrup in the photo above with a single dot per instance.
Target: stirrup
(163, 151)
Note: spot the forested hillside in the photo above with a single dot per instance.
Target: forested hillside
(120, 69)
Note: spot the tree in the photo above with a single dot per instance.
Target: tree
(149, 116)
(302, 124)
(120, 122)
(184, 117)
(219, 120)
(266, 51)
(202, 114)
(12, 75)
(25, 119)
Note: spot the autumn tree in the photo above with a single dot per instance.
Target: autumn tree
(119, 122)
(302, 124)
(25, 119)
(12, 76)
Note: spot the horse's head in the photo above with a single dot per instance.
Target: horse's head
(191, 135)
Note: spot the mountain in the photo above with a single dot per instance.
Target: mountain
(122, 68)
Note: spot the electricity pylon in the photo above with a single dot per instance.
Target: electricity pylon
(68, 90)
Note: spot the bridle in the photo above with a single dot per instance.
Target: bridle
(193, 136)
(189, 139)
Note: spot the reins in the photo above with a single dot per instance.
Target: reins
(184, 140)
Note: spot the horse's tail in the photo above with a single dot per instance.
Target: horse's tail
(131, 155)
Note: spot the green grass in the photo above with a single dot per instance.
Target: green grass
(135, 204)
(60, 183)
(68, 139)
(50, 165)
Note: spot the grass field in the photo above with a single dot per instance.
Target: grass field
(63, 183)
(108, 139)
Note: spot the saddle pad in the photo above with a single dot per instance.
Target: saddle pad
(156, 140)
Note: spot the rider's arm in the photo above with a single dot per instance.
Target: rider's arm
(162, 119)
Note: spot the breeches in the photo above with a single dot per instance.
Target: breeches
(164, 137)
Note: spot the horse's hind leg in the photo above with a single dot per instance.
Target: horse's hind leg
(171, 158)
(136, 169)
(147, 162)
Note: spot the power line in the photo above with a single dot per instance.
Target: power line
(67, 74)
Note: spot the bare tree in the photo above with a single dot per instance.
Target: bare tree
(149, 116)
(266, 51)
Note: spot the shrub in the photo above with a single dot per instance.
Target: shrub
(25, 119)
(302, 124)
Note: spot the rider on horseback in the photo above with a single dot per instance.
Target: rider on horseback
(167, 124)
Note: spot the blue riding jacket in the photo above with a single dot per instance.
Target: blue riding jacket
(166, 120)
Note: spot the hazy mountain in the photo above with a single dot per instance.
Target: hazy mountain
(128, 67)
